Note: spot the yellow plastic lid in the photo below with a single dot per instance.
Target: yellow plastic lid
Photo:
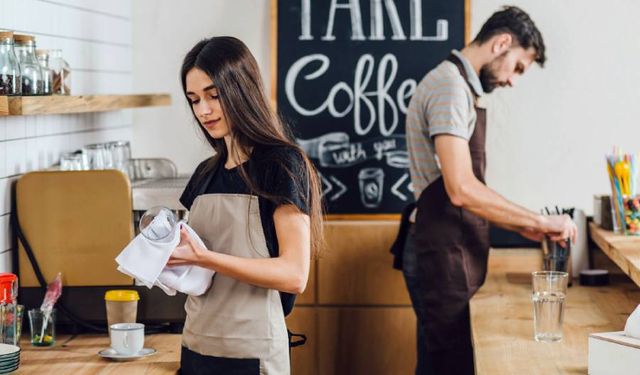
(121, 295)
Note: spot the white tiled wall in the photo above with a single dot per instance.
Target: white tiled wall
(96, 39)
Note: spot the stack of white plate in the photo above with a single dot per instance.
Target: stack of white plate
(9, 358)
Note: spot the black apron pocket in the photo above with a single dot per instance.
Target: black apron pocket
(192, 363)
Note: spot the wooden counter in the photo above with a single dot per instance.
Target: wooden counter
(623, 250)
(502, 319)
(374, 335)
(79, 356)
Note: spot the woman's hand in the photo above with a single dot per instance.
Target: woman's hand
(187, 252)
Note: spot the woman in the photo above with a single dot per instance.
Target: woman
(256, 206)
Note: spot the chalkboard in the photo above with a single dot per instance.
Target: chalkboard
(344, 72)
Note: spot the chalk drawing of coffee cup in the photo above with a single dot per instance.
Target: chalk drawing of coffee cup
(371, 182)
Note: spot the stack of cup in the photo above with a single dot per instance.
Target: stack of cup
(127, 336)
(122, 306)
(549, 290)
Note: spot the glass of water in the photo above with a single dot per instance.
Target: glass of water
(549, 290)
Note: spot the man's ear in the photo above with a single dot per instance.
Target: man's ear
(501, 43)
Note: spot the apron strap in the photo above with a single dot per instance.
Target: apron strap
(397, 248)
(294, 343)
(458, 63)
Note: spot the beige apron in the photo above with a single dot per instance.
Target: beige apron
(234, 319)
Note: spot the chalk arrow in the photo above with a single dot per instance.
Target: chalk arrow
(397, 185)
(343, 189)
(326, 185)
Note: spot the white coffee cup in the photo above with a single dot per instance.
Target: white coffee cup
(127, 338)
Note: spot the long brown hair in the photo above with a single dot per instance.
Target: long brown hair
(253, 122)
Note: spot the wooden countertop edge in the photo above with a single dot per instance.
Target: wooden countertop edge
(622, 250)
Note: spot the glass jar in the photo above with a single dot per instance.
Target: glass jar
(29, 66)
(8, 303)
(10, 83)
(120, 155)
(61, 73)
(47, 74)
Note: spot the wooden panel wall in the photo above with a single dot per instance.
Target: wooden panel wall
(356, 311)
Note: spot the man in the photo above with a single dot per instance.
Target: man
(445, 256)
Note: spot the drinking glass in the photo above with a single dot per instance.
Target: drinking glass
(42, 327)
(120, 152)
(157, 223)
(70, 161)
(555, 256)
(549, 290)
(94, 156)
(19, 314)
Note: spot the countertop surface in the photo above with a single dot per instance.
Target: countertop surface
(502, 318)
(79, 355)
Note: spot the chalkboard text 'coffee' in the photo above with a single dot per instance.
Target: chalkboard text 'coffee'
(346, 71)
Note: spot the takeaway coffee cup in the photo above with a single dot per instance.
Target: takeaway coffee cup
(122, 306)
(127, 338)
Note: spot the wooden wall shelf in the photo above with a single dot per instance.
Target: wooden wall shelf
(43, 105)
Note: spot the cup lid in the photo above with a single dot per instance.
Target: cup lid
(121, 295)
(8, 287)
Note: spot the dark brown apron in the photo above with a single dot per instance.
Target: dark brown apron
(452, 248)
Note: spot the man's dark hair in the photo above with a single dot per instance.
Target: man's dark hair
(516, 22)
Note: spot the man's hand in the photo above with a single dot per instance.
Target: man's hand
(532, 234)
(559, 227)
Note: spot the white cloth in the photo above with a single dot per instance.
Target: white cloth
(632, 327)
(146, 261)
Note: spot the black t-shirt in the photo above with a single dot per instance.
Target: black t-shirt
(278, 171)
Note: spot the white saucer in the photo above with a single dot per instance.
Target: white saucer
(112, 354)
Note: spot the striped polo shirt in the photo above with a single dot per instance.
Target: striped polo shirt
(442, 104)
